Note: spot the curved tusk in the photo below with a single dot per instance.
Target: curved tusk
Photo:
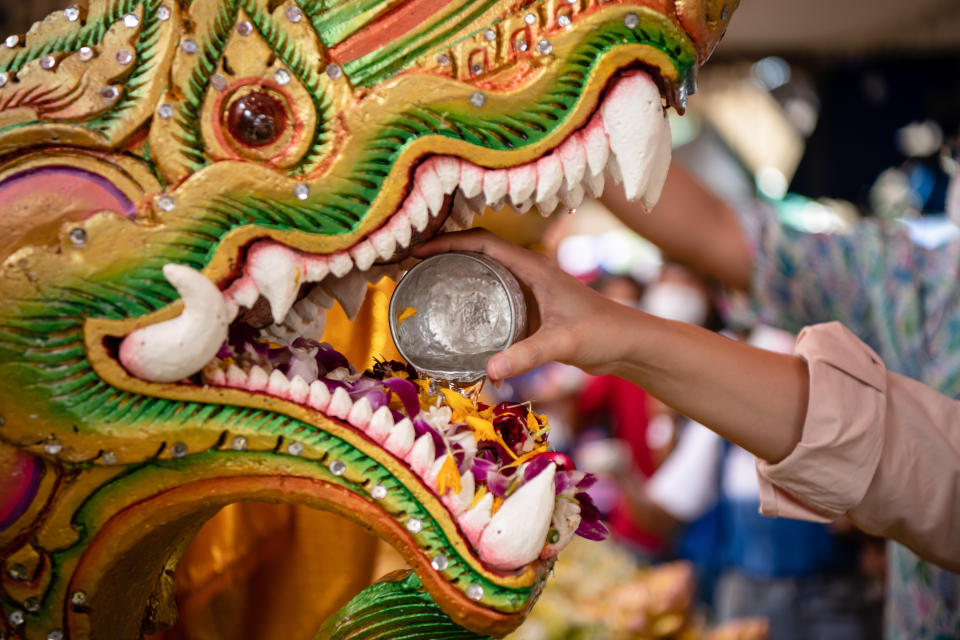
(517, 532)
(178, 348)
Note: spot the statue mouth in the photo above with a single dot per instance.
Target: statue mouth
(257, 335)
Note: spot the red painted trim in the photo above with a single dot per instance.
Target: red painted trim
(389, 27)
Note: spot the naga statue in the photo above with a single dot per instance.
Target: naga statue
(190, 188)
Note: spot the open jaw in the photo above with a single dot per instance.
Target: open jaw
(255, 339)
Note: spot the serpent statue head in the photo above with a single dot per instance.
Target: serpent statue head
(188, 187)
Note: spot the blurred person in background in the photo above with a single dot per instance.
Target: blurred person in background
(896, 295)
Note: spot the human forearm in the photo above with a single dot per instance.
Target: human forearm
(691, 225)
(752, 397)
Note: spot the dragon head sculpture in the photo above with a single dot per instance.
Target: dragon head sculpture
(186, 187)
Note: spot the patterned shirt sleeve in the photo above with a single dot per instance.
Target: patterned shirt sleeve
(898, 296)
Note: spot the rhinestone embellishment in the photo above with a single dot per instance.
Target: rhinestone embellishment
(78, 238)
(378, 491)
(414, 525)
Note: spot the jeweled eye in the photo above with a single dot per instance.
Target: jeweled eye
(256, 119)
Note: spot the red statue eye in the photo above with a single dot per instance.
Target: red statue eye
(256, 119)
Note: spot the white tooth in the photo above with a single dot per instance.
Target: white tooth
(384, 242)
(613, 170)
(231, 308)
(422, 455)
(430, 187)
(349, 291)
(475, 520)
(523, 182)
(236, 376)
(632, 113)
(278, 333)
(517, 531)
(319, 295)
(400, 440)
(363, 254)
(399, 226)
(360, 413)
(340, 264)
(595, 185)
(278, 385)
(257, 379)
(471, 179)
(381, 424)
(494, 185)
(243, 291)
(461, 213)
(393, 271)
(316, 267)
(549, 177)
(497, 204)
(278, 274)
(458, 502)
(313, 319)
(548, 206)
(448, 170)
(596, 145)
(340, 404)
(299, 389)
(661, 165)
(378, 273)
(573, 158)
(431, 475)
(572, 196)
(478, 204)
(217, 378)
(524, 206)
(416, 209)
(180, 347)
(319, 397)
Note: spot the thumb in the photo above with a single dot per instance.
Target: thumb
(523, 356)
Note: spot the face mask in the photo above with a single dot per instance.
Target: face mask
(953, 198)
(675, 301)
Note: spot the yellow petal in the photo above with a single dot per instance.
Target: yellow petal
(484, 430)
(449, 477)
(409, 312)
(460, 406)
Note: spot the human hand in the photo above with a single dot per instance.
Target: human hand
(572, 323)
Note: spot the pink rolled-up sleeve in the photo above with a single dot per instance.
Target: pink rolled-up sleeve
(880, 448)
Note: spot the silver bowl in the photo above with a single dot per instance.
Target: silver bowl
(468, 307)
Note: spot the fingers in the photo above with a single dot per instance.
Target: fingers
(526, 265)
(522, 357)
